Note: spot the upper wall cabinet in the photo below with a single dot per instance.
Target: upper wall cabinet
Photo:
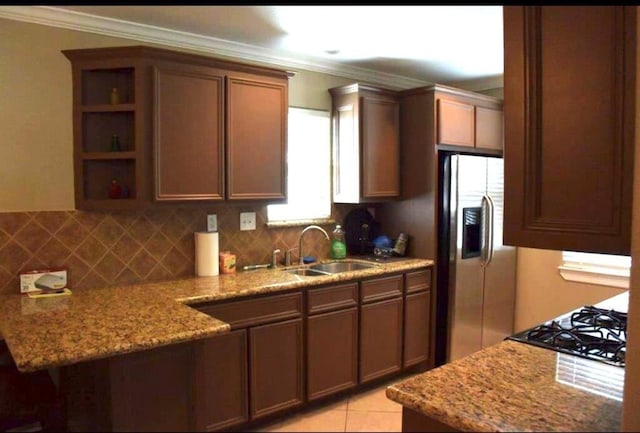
(256, 137)
(569, 126)
(188, 132)
(153, 125)
(463, 119)
(366, 144)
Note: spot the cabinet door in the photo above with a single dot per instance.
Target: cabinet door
(456, 123)
(569, 127)
(380, 148)
(188, 133)
(256, 138)
(489, 130)
(416, 328)
(380, 339)
(221, 393)
(332, 352)
(275, 360)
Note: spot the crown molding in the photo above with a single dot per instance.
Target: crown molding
(479, 84)
(67, 19)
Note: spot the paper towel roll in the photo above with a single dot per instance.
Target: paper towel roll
(206, 260)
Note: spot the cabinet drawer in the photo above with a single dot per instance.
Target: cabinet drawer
(418, 281)
(332, 298)
(253, 312)
(381, 288)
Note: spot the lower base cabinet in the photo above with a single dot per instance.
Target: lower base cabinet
(417, 313)
(215, 373)
(332, 352)
(275, 359)
(380, 339)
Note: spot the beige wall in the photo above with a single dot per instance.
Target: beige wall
(36, 167)
(543, 294)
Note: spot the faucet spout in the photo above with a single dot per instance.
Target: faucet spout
(306, 229)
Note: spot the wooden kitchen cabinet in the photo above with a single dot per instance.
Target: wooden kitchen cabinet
(256, 138)
(275, 365)
(188, 137)
(273, 358)
(467, 120)
(366, 144)
(189, 127)
(456, 123)
(98, 121)
(332, 340)
(569, 127)
(221, 393)
(417, 318)
(381, 317)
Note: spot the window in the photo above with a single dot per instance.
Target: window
(604, 269)
(308, 167)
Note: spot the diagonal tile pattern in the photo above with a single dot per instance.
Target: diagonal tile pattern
(124, 247)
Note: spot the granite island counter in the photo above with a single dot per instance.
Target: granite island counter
(514, 386)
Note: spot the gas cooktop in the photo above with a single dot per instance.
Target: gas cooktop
(589, 332)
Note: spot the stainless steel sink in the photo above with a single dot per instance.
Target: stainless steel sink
(306, 272)
(330, 268)
(343, 266)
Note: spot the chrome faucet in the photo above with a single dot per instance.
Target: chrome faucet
(326, 235)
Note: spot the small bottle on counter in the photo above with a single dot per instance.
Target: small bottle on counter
(338, 246)
(401, 245)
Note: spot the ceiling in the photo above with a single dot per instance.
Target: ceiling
(400, 46)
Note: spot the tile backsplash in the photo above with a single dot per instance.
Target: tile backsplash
(109, 248)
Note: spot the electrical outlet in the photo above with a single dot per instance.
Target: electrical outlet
(212, 223)
(247, 220)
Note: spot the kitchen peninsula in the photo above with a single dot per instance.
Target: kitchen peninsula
(514, 386)
(145, 340)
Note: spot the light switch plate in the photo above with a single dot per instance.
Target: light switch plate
(247, 220)
(212, 223)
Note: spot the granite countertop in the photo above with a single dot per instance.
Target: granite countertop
(514, 386)
(98, 323)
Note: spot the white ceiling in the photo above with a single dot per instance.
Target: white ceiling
(399, 46)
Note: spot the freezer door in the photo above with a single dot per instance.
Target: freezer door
(500, 272)
(468, 185)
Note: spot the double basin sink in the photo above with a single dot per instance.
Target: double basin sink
(330, 268)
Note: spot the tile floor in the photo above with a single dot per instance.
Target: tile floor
(367, 411)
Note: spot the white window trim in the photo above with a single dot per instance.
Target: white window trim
(298, 219)
(591, 273)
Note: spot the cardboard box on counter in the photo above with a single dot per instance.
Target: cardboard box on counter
(227, 262)
(39, 280)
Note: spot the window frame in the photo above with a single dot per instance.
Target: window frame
(583, 268)
(274, 223)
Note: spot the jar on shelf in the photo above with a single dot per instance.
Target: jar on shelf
(115, 143)
(114, 98)
(114, 189)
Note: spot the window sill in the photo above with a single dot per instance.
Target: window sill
(595, 275)
(299, 223)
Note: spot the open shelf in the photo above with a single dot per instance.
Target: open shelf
(98, 83)
(98, 174)
(98, 129)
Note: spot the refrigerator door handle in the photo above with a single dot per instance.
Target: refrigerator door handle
(487, 247)
(492, 208)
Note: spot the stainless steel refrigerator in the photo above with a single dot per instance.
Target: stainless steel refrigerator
(476, 272)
